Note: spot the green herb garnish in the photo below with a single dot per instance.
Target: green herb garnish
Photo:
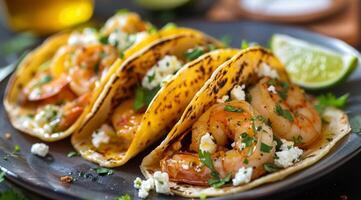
(151, 77)
(16, 148)
(104, 39)
(12, 195)
(18, 43)
(265, 148)
(143, 97)
(2, 176)
(244, 44)
(226, 40)
(216, 181)
(72, 154)
(297, 140)
(247, 140)
(194, 53)
(124, 197)
(232, 109)
(278, 143)
(121, 55)
(330, 100)
(270, 167)
(283, 113)
(211, 47)
(45, 79)
(203, 196)
(152, 30)
(104, 171)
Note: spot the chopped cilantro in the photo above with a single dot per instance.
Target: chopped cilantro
(45, 79)
(216, 181)
(122, 11)
(103, 171)
(356, 124)
(278, 143)
(265, 148)
(203, 196)
(170, 25)
(211, 47)
(124, 197)
(226, 40)
(246, 161)
(12, 195)
(330, 99)
(297, 140)
(16, 148)
(2, 176)
(270, 167)
(121, 55)
(103, 39)
(247, 140)
(232, 109)
(151, 77)
(244, 44)
(72, 154)
(283, 113)
(194, 53)
(143, 97)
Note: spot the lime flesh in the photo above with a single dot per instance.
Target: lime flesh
(309, 65)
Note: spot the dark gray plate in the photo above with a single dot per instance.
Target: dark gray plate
(42, 175)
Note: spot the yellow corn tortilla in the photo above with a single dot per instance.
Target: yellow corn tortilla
(29, 66)
(165, 108)
(245, 66)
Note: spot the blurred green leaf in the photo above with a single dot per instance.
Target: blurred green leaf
(18, 44)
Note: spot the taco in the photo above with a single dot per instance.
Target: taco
(55, 85)
(247, 126)
(146, 96)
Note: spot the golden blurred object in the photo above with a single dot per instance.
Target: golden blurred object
(46, 16)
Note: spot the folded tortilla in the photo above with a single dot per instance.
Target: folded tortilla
(241, 69)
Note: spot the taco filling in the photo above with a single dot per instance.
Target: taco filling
(123, 123)
(62, 87)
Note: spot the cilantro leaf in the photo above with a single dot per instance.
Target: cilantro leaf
(72, 154)
(2, 176)
(194, 53)
(329, 99)
(215, 181)
(12, 195)
(265, 148)
(244, 44)
(143, 97)
(297, 140)
(151, 77)
(124, 197)
(283, 113)
(270, 167)
(226, 40)
(247, 140)
(16, 148)
(356, 124)
(232, 109)
(102, 171)
(103, 39)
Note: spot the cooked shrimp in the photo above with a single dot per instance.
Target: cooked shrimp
(88, 63)
(292, 115)
(126, 121)
(71, 112)
(43, 86)
(226, 122)
(128, 23)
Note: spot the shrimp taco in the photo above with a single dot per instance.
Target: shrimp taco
(247, 126)
(147, 96)
(55, 85)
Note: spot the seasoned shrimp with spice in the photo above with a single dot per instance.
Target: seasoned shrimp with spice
(233, 135)
(291, 113)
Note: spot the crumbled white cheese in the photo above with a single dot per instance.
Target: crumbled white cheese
(143, 194)
(161, 182)
(241, 146)
(101, 136)
(118, 20)
(272, 89)
(168, 65)
(40, 149)
(207, 143)
(288, 155)
(185, 166)
(242, 176)
(137, 183)
(148, 184)
(225, 98)
(237, 93)
(87, 36)
(266, 70)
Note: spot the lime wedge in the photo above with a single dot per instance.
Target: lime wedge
(161, 4)
(309, 65)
